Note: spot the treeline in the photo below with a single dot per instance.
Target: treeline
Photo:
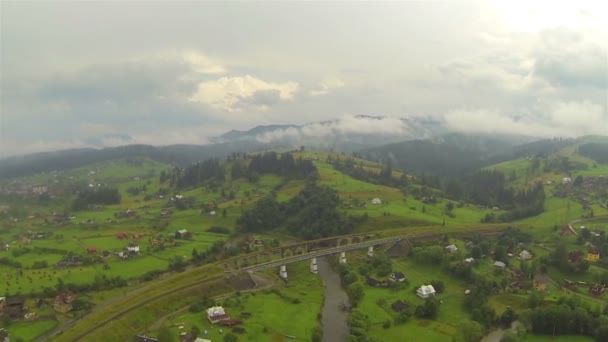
(283, 165)
(194, 175)
(312, 214)
(102, 195)
(358, 171)
(595, 151)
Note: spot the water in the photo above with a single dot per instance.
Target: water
(334, 318)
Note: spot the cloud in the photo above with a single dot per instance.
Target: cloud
(324, 87)
(233, 93)
(565, 59)
(360, 125)
(202, 64)
(568, 119)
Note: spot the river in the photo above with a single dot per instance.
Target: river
(334, 319)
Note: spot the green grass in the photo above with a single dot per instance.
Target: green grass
(267, 321)
(28, 331)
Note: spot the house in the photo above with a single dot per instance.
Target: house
(144, 338)
(566, 180)
(92, 249)
(15, 306)
(469, 260)
(399, 306)
(597, 289)
(183, 234)
(593, 255)
(133, 249)
(217, 314)
(212, 213)
(525, 255)
(131, 213)
(376, 201)
(540, 283)
(63, 301)
(425, 291)
(4, 336)
(122, 235)
(575, 257)
(467, 292)
(397, 276)
(500, 264)
(451, 248)
(372, 282)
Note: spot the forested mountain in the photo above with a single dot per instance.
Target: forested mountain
(595, 151)
(452, 155)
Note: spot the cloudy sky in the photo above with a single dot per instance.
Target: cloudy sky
(90, 73)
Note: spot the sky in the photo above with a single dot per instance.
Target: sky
(76, 74)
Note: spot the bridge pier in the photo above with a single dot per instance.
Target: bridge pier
(313, 266)
(343, 257)
(370, 251)
(283, 272)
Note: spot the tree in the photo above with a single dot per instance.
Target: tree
(224, 213)
(356, 293)
(438, 285)
(476, 252)
(470, 331)
(430, 309)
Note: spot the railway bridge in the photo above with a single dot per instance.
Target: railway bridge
(311, 250)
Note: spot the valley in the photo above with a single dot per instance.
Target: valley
(135, 246)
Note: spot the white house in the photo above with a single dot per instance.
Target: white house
(376, 201)
(500, 264)
(425, 291)
(451, 248)
(469, 260)
(133, 249)
(212, 213)
(525, 255)
(566, 180)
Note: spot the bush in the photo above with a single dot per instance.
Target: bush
(386, 324)
(219, 230)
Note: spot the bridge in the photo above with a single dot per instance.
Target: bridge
(311, 250)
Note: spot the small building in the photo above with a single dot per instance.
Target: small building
(540, 283)
(133, 249)
(525, 255)
(183, 234)
(372, 282)
(426, 291)
(451, 248)
(212, 213)
(566, 180)
(122, 235)
(467, 292)
(92, 249)
(469, 260)
(397, 276)
(217, 314)
(499, 264)
(63, 301)
(593, 255)
(376, 201)
(15, 306)
(575, 257)
(597, 289)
